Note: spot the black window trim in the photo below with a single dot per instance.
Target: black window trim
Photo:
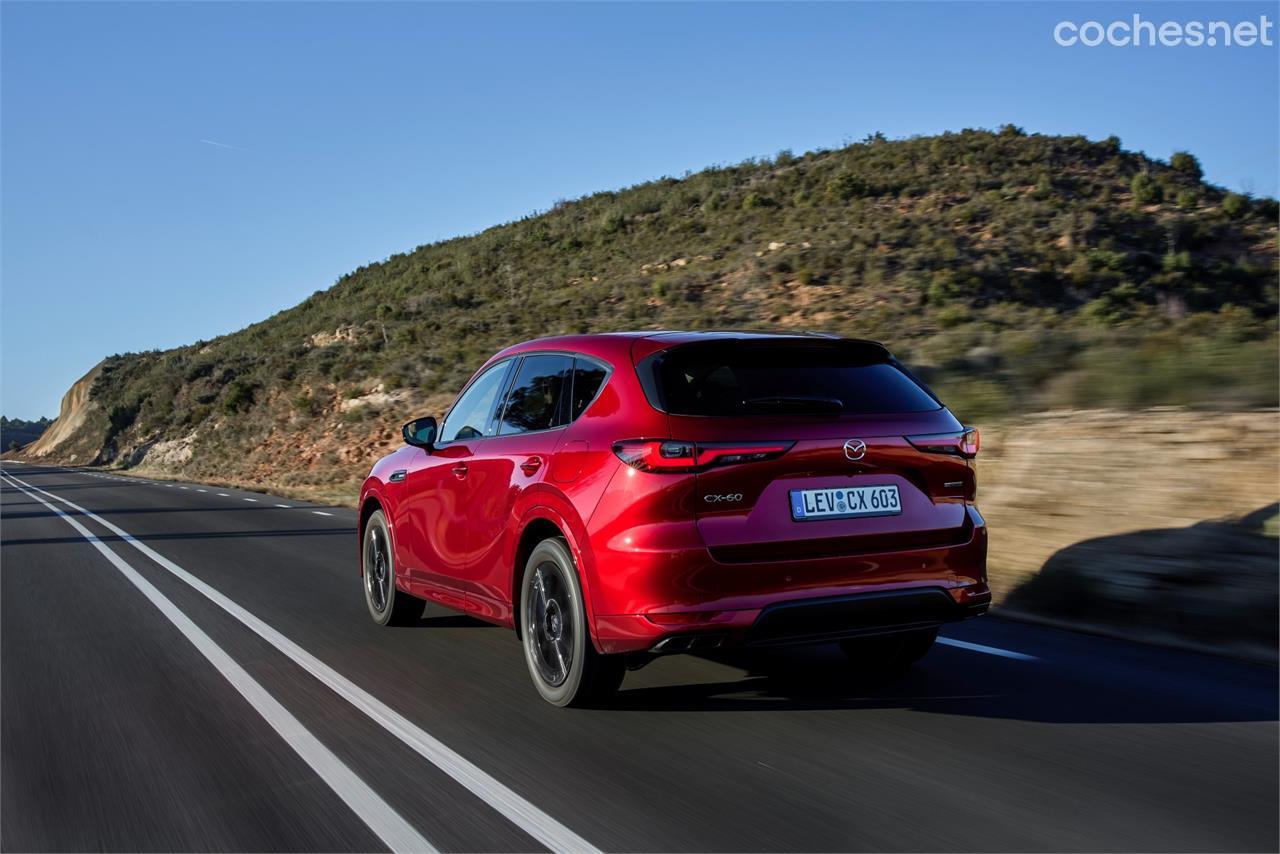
(573, 360)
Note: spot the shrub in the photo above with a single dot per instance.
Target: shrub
(1235, 205)
(757, 200)
(1146, 191)
(239, 397)
(1187, 164)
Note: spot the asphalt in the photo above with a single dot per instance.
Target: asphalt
(117, 732)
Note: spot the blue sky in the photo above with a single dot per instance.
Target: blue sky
(356, 131)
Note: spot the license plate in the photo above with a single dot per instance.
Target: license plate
(845, 502)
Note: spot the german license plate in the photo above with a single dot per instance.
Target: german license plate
(844, 502)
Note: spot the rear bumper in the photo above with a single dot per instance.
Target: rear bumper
(682, 599)
(885, 612)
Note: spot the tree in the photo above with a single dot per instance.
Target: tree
(1187, 164)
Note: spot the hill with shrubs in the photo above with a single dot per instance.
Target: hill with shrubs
(16, 432)
(1016, 272)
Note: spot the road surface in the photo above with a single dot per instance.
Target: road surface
(186, 667)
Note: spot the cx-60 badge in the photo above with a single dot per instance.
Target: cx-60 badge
(717, 499)
(855, 449)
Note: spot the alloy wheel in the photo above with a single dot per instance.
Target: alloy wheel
(549, 624)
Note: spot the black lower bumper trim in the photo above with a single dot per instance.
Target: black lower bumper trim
(885, 612)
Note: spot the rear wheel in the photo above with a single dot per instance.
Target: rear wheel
(387, 605)
(888, 654)
(563, 663)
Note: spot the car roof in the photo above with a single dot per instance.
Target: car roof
(637, 344)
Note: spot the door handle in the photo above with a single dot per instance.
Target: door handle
(460, 470)
(398, 475)
(531, 465)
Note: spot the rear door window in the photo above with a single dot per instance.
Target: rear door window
(538, 396)
(743, 378)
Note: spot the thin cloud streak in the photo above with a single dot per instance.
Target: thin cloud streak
(222, 145)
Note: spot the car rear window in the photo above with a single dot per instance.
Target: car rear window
(736, 378)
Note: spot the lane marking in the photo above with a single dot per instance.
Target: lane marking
(285, 506)
(989, 650)
(183, 487)
(223, 495)
(321, 513)
(520, 812)
(202, 490)
(254, 500)
(377, 814)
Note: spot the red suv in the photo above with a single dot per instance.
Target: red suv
(614, 497)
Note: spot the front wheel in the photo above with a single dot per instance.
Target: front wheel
(387, 605)
(564, 666)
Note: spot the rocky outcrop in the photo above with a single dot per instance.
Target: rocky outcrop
(80, 430)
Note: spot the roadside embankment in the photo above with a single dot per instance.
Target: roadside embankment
(1157, 525)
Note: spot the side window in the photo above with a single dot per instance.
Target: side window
(588, 376)
(472, 416)
(535, 399)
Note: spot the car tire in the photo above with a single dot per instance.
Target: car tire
(889, 654)
(562, 661)
(388, 605)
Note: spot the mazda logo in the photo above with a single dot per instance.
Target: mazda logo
(855, 449)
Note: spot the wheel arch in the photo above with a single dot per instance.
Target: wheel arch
(541, 524)
(368, 507)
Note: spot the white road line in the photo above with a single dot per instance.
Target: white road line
(184, 487)
(507, 802)
(321, 513)
(223, 495)
(989, 650)
(252, 499)
(376, 813)
(170, 485)
(285, 506)
(202, 490)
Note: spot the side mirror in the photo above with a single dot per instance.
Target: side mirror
(420, 432)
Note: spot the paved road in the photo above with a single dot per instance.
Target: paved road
(186, 667)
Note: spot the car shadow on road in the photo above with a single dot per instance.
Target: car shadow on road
(955, 682)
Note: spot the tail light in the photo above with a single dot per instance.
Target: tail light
(672, 455)
(962, 444)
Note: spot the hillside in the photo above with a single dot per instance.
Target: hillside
(15, 432)
(1016, 272)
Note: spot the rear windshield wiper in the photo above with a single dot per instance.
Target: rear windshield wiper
(825, 405)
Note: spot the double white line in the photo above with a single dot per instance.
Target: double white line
(384, 821)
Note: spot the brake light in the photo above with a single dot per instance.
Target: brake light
(673, 455)
(962, 444)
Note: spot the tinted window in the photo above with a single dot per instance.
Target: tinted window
(784, 377)
(536, 395)
(587, 379)
(472, 416)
